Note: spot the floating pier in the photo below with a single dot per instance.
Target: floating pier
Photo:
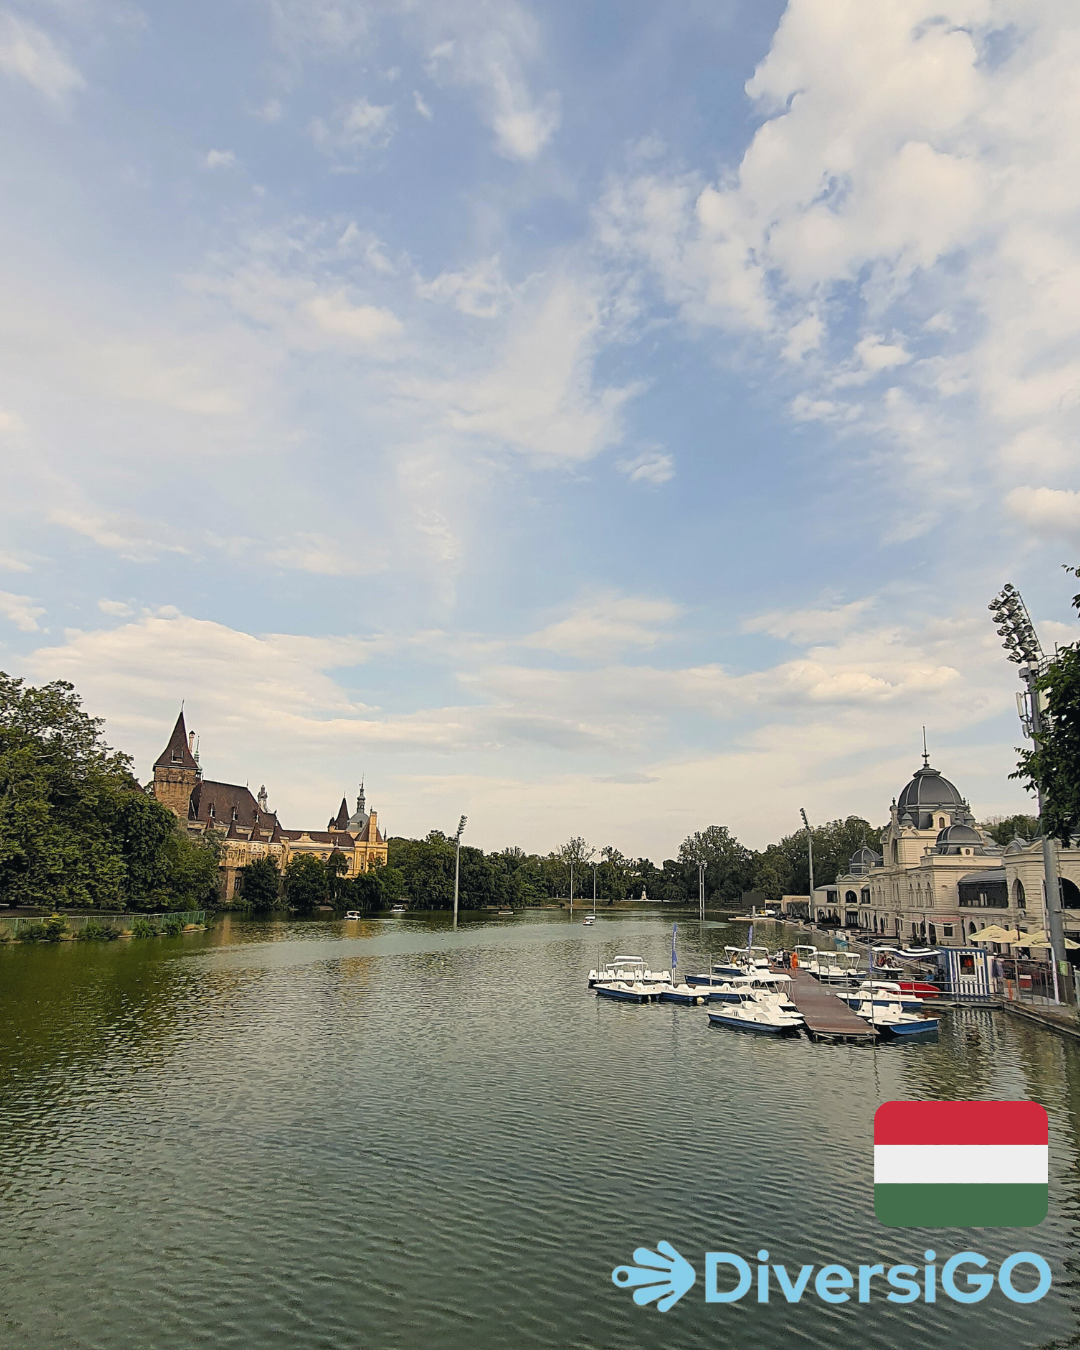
(827, 1018)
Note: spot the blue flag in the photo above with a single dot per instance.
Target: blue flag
(750, 938)
(674, 958)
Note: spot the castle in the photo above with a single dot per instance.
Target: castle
(248, 828)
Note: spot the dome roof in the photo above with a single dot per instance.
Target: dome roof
(862, 860)
(959, 834)
(928, 791)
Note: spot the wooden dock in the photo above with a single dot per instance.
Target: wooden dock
(827, 1018)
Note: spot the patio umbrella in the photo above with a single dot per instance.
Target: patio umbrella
(1042, 939)
(995, 933)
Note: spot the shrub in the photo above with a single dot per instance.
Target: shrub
(173, 926)
(142, 928)
(55, 928)
(33, 932)
(93, 931)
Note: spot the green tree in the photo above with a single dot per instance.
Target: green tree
(1003, 829)
(336, 866)
(783, 868)
(304, 882)
(729, 865)
(260, 885)
(1053, 767)
(76, 830)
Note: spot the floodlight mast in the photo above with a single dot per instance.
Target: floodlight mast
(810, 861)
(457, 862)
(1022, 644)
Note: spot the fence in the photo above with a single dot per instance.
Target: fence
(11, 925)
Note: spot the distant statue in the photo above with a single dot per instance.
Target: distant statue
(262, 799)
(643, 895)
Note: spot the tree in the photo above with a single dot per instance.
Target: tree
(260, 885)
(76, 829)
(729, 865)
(1053, 767)
(784, 869)
(1003, 829)
(336, 866)
(575, 853)
(304, 882)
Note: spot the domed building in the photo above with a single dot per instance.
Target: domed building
(911, 889)
(938, 878)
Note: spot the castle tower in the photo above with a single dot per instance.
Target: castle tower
(176, 772)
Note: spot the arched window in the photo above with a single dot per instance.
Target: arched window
(1070, 894)
(941, 822)
(1019, 894)
(895, 851)
(850, 898)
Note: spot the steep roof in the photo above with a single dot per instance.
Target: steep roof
(176, 754)
(341, 820)
(223, 803)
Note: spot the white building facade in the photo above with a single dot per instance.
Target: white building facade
(938, 878)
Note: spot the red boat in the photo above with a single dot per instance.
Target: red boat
(919, 987)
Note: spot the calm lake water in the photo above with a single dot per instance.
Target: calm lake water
(390, 1134)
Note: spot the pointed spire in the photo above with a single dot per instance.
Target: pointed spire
(341, 821)
(360, 799)
(177, 754)
(925, 752)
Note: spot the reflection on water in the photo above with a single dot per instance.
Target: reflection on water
(389, 1133)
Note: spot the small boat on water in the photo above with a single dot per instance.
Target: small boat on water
(883, 992)
(352, 915)
(628, 966)
(829, 967)
(690, 994)
(628, 982)
(589, 920)
(399, 909)
(761, 1016)
(889, 1019)
(763, 985)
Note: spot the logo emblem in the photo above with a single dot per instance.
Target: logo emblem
(663, 1275)
(960, 1164)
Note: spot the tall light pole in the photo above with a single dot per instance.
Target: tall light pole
(457, 862)
(701, 890)
(594, 867)
(1022, 644)
(810, 860)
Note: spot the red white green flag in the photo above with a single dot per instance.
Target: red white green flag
(961, 1164)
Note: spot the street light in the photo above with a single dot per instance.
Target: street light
(1022, 644)
(810, 860)
(457, 862)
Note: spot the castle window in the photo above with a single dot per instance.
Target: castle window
(941, 822)
(946, 930)
(1019, 894)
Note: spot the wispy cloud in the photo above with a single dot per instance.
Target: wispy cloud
(29, 53)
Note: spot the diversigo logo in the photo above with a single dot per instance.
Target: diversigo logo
(936, 1165)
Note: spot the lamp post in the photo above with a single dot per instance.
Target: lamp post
(457, 862)
(594, 867)
(1022, 644)
(810, 860)
(701, 891)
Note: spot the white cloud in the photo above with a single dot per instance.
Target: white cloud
(538, 396)
(21, 611)
(479, 291)
(1047, 511)
(911, 179)
(10, 563)
(115, 608)
(220, 159)
(421, 107)
(367, 324)
(28, 52)
(136, 541)
(608, 624)
(358, 127)
(810, 625)
(653, 466)
(491, 48)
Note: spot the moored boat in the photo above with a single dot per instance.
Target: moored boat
(756, 1015)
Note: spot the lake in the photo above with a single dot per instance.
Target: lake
(390, 1134)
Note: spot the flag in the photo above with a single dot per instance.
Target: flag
(750, 938)
(674, 958)
(961, 1164)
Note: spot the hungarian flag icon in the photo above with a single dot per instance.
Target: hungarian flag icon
(961, 1164)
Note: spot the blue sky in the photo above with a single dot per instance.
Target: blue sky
(596, 427)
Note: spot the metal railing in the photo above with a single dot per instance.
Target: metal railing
(12, 924)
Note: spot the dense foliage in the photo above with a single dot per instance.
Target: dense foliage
(1004, 829)
(1053, 767)
(76, 830)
